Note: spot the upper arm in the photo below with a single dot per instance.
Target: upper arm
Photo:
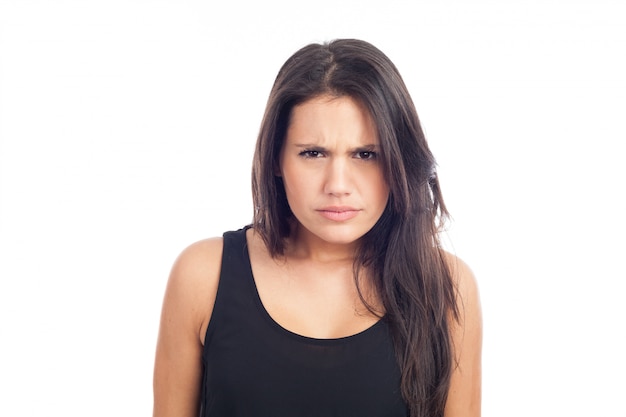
(187, 306)
(464, 395)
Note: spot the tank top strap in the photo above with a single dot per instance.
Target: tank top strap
(235, 260)
(254, 367)
(235, 292)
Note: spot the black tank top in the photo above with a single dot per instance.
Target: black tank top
(255, 367)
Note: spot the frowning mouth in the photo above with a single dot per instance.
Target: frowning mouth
(338, 214)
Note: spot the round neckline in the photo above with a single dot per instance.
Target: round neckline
(308, 339)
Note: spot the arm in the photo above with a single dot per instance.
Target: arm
(464, 396)
(187, 308)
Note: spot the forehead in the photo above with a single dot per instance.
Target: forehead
(329, 117)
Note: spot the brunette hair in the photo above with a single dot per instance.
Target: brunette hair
(402, 250)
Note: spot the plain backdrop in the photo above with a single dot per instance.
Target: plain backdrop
(127, 130)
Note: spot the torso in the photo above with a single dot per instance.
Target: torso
(257, 360)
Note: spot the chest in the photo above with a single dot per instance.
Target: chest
(314, 301)
(254, 367)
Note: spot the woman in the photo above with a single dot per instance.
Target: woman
(338, 300)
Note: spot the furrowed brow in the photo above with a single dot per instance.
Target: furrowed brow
(308, 146)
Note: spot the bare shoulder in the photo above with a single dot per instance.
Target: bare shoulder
(187, 307)
(464, 281)
(194, 278)
(464, 396)
(197, 262)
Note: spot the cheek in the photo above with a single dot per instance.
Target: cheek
(383, 197)
(379, 188)
(296, 187)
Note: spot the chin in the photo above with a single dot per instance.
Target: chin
(339, 234)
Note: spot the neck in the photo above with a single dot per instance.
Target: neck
(304, 245)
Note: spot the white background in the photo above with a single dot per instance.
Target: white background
(127, 130)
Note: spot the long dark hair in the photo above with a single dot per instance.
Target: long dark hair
(402, 251)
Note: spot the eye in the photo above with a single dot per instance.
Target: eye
(366, 155)
(311, 153)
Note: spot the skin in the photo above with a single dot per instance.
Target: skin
(328, 163)
(464, 394)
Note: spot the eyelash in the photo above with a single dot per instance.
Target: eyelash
(313, 154)
(366, 155)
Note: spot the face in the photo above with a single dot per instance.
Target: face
(331, 170)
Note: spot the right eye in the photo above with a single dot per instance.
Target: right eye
(311, 153)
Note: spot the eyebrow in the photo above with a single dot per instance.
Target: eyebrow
(368, 147)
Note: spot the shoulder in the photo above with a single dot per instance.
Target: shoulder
(464, 281)
(193, 282)
(187, 307)
(466, 329)
(198, 260)
(464, 395)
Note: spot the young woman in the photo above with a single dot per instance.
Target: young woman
(338, 300)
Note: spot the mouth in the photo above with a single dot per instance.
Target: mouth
(338, 214)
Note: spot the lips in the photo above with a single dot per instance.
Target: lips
(338, 213)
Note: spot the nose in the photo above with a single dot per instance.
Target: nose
(338, 177)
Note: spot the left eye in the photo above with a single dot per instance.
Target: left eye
(366, 155)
